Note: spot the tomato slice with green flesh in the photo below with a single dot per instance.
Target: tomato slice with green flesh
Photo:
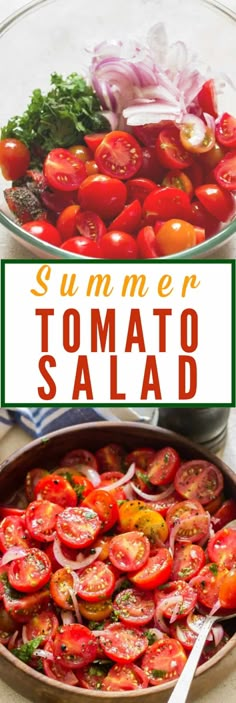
(156, 571)
(95, 582)
(79, 457)
(164, 466)
(188, 561)
(128, 677)
(170, 152)
(30, 573)
(78, 527)
(105, 505)
(225, 514)
(74, 646)
(57, 672)
(119, 155)
(44, 624)
(97, 612)
(222, 548)
(163, 661)
(93, 140)
(166, 204)
(151, 524)
(215, 199)
(147, 243)
(40, 518)
(207, 98)
(225, 172)
(61, 585)
(122, 644)
(227, 592)
(63, 170)
(56, 489)
(134, 607)
(129, 551)
(226, 131)
(208, 582)
(31, 480)
(199, 480)
(22, 608)
(93, 676)
(188, 599)
(139, 188)
(89, 225)
(110, 458)
(128, 220)
(13, 532)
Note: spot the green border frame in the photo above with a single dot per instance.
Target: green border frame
(165, 262)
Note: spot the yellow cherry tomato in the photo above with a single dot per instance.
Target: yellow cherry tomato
(175, 235)
(151, 523)
(96, 611)
(126, 511)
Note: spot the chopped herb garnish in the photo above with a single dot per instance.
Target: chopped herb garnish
(213, 568)
(25, 652)
(151, 637)
(158, 673)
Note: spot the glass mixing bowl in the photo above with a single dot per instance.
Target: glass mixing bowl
(52, 35)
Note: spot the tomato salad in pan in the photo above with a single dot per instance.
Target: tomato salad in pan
(111, 564)
(134, 162)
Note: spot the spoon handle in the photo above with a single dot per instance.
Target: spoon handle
(181, 690)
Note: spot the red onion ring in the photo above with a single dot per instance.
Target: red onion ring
(79, 563)
(125, 479)
(154, 496)
(13, 553)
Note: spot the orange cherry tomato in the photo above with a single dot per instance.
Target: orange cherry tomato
(174, 236)
(82, 152)
(66, 223)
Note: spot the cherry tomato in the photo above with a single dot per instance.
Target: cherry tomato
(184, 510)
(188, 560)
(66, 223)
(14, 159)
(178, 179)
(61, 585)
(214, 504)
(151, 524)
(105, 506)
(147, 243)
(195, 172)
(57, 490)
(200, 235)
(93, 140)
(225, 514)
(40, 518)
(122, 644)
(82, 486)
(95, 582)
(222, 547)
(156, 571)
(200, 217)
(91, 168)
(28, 604)
(56, 672)
(58, 200)
(96, 611)
(227, 591)
(104, 195)
(225, 172)
(134, 607)
(170, 152)
(128, 677)
(90, 225)
(165, 204)
(103, 542)
(141, 457)
(78, 527)
(129, 551)
(110, 477)
(82, 152)
(110, 458)
(163, 467)
(13, 533)
(139, 188)
(74, 646)
(199, 480)
(175, 235)
(161, 505)
(79, 456)
(92, 677)
(188, 599)
(44, 231)
(195, 136)
(147, 134)
(128, 220)
(118, 245)
(163, 661)
(212, 158)
(226, 131)
(208, 582)
(31, 572)
(63, 170)
(150, 168)
(82, 247)
(207, 98)
(6, 512)
(44, 624)
(31, 480)
(217, 201)
(180, 631)
(119, 155)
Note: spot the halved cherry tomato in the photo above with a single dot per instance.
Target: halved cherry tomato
(216, 200)
(119, 155)
(14, 159)
(104, 195)
(200, 217)
(6, 512)
(188, 599)
(129, 551)
(152, 524)
(207, 98)
(128, 220)
(57, 490)
(227, 591)
(139, 188)
(22, 608)
(161, 505)
(222, 547)
(78, 527)
(147, 243)
(31, 480)
(96, 582)
(178, 179)
(180, 631)
(141, 457)
(156, 571)
(90, 225)
(225, 514)
(174, 236)
(195, 172)
(188, 560)
(66, 223)
(31, 572)
(166, 204)
(82, 486)
(183, 510)
(44, 231)
(110, 477)
(163, 661)
(82, 247)
(61, 585)
(122, 644)
(147, 134)
(170, 151)
(127, 510)
(226, 131)
(44, 624)
(13, 533)
(93, 140)
(82, 152)
(134, 607)
(150, 167)
(92, 677)
(79, 456)
(128, 677)
(199, 480)
(208, 582)
(103, 542)
(225, 172)
(104, 504)
(96, 611)
(63, 170)
(74, 646)
(163, 467)
(40, 518)
(110, 458)
(212, 158)
(56, 672)
(118, 245)
(214, 504)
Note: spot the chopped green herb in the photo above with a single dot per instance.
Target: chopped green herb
(114, 616)
(158, 673)
(213, 568)
(151, 637)
(25, 652)
(143, 477)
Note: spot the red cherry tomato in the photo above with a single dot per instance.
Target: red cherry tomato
(66, 223)
(216, 200)
(207, 98)
(61, 585)
(147, 134)
(63, 170)
(139, 188)
(104, 195)
(13, 533)
(155, 572)
(164, 466)
(79, 456)
(200, 235)
(174, 236)
(222, 548)
(56, 672)
(147, 243)
(188, 560)
(118, 245)
(199, 480)
(165, 204)
(128, 220)
(110, 458)
(211, 159)
(40, 518)
(200, 217)
(92, 677)
(14, 159)
(226, 131)
(227, 591)
(74, 646)
(78, 527)
(163, 661)
(129, 551)
(122, 644)
(96, 581)
(170, 151)
(7, 512)
(225, 514)
(119, 155)
(57, 490)
(180, 630)
(105, 506)
(225, 172)
(134, 607)
(150, 167)
(44, 231)
(187, 602)
(141, 457)
(90, 225)
(93, 140)
(208, 582)
(21, 609)
(81, 246)
(82, 486)
(128, 677)
(31, 572)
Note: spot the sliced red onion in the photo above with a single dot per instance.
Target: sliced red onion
(79, 562)
(98, 633)
(67, 617)
(196, 625)
(75, 604)
(180, 635)
(125, 479)
(12, 641)
(112, 118)
(157, 40)
(218, 634)
(13, 553)
(44, 654)
(155, 631)
(91, 474)
(24, 635)
(162, 605)
(128, 491)
(152, 496)
(215, 608)
(210, 121)
(174, 615)
(197, 129)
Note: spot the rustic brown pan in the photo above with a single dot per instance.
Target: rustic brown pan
(46, 452)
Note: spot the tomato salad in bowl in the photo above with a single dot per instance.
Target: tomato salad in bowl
(111, 563)
(135, 161)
